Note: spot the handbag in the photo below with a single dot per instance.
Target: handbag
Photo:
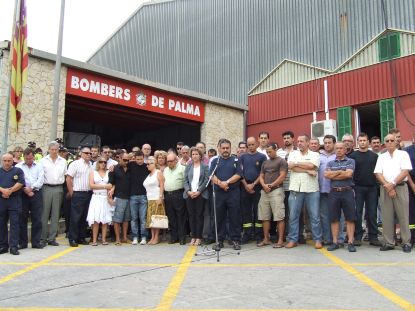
(159, 222)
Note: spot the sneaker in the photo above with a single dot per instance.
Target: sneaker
(134, 242)
(143, 241)
(236, 245)
(351, 248)
(333, 247)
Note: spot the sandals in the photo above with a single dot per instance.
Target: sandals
(278, 245)
(94, 244)
(263, 244)
(104, 243)
(118, 243)
(192, 242)
(198, 242)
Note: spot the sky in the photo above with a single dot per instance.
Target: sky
(88, 23)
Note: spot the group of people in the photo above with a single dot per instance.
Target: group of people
(259, 192)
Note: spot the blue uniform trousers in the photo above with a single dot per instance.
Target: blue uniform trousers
(228, 205)
(9, 210)
(31, 207)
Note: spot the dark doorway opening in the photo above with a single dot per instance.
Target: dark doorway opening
(121, 127)
(369, 119)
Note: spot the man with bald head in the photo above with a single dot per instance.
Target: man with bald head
(251, 163)
(11, 181)
(173, 198)
(392, 169)
(146, 149)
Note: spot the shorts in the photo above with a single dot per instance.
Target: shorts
(122, 210)
(271, 203)
(342, 201)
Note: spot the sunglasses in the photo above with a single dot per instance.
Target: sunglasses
(170, 161)
(149, 164)
(87, 153)
(100, 162)
(389, 141)
(126, 160)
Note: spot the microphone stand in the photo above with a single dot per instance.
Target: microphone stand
(216, 248)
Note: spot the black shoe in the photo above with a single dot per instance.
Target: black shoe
(301, 240)
(357, 243)
(82, 242)
(221, 245)
(386, 248)
(245, 239)
(53, 243)
(375, 243)
(351, 248)
(333, 247)
(407, 248)
(183, 241)
(39, 246)
(72, 243)
(14, 251)
(173, 241)
(22, 246)
(236, 245)
(4, 250)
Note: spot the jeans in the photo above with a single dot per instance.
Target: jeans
(367, 197)
(138, 207)
(296, 202)
(325, 217)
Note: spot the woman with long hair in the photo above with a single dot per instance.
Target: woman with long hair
(154, 184)
(99, 211)
(195, 193)
(161, 159)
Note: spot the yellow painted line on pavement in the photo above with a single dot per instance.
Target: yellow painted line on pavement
(152, 309)
(403, 303)
(172, 290)
(35, 265)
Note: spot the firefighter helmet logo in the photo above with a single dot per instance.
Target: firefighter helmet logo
(141, 99)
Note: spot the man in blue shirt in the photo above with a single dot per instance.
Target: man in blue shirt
(227, 173)
(11, 181)
(32, 200)
(251, 163)
(341, 198)
(411, 189)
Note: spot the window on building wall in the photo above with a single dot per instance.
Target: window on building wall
(344, 121)
(387, 116)
(389, 46)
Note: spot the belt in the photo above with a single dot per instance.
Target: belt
(401, 183)
(50, 185)
(174, 191)
(86, 191)
(341, 189)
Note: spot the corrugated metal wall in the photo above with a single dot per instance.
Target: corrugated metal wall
(364, 85)
(224, 47)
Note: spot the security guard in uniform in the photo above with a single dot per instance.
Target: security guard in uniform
(227, 173)
(251, 163)
(11, 181)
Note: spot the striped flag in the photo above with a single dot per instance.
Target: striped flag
(19, 64)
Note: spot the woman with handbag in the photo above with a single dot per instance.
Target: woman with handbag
(196, 176)
(156, 215)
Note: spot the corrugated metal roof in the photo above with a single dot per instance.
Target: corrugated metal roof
(360, 86)
(224, 47)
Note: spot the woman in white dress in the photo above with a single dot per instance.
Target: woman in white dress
(154, 184)
(99, 208)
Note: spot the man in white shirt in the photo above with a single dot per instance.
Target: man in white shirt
(392, 169)
(77, 180)
(304, 188)
(263, 140)
(32, 201)
(54, 176)
(105, 152)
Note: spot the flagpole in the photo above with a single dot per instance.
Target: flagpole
(57, 78)
(7, 116)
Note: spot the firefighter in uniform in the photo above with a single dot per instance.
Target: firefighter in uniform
(251, 163)
(11, 181)
(226, 186)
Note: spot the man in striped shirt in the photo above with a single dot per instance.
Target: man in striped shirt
(77, 179)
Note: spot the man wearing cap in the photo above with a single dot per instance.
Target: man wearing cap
(11, 181)
(32, 200)
(54, 168)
